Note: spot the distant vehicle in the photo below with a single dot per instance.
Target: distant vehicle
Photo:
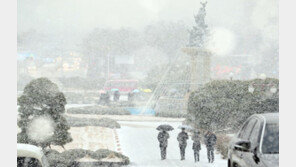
(124, 86)
(30, 156)
(257, 142)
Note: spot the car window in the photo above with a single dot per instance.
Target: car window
(254, 136)
(28, 162)
(271, 139)
(247, 131)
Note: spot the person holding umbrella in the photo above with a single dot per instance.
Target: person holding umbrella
(196, 145)
(182, 139)
(163, 137)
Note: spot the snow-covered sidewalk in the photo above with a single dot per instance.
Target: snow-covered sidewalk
(139, 142)
(90, 138)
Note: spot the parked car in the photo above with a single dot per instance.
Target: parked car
(257, 142)
(30, 156)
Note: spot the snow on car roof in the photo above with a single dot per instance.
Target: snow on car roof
(271, 117)
(27, 150)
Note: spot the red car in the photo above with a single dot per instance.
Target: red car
(124, 86)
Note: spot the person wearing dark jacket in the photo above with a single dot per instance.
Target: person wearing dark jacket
(163, 137)
(104, 98)
(196, 145)
(116, 96)
(210, 142)
(182, 139)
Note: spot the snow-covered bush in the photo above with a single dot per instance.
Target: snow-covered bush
(103, 122)
(99, 110)
(42, 99)
(222, 144)
(71, 157)
(171, 114)
(222, 104)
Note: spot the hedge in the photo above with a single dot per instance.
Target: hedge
(81, 122)
(99, 110)
(70, 158)
(171, 114)
(222, 104)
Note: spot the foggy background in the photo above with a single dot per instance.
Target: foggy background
(74, 38)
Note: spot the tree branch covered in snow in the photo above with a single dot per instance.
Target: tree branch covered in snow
(42, 100)
(226, 103)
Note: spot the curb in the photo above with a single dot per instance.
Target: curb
(117, 142)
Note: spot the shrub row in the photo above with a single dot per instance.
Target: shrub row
(99, 110)
(70, 158)
(225, 104)
(222, 144)
(81, 122)
(171, 114)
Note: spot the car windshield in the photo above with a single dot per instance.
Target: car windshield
(270, 143)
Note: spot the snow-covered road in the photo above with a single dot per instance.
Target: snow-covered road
(139, 142)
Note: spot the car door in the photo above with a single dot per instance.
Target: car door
(254, 138)
(241, 157)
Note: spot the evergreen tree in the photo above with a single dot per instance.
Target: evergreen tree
(41, 97)
(199, 32)
(223, 104)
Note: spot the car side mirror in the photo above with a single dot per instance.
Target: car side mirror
(255, 155)
(244, 146)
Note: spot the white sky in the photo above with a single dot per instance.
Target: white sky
(84, 15)
(73, 19)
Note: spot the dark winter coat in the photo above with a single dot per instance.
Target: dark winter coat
(196, 142)
(210, 140)
(163, 138)
(116, 96)
(182, 139)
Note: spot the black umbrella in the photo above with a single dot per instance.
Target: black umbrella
(165, 127)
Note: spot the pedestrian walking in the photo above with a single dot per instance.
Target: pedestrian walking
(104, 98)
(182, 139)
(116, 96)
(130, 96)
(196, 145)
(107, 98)
(163, 137)
(210, 141)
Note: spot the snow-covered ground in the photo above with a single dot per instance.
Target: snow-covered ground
(139, 142)
(90, 138)
(136, 118)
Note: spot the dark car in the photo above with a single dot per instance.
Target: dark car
(257, 142)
